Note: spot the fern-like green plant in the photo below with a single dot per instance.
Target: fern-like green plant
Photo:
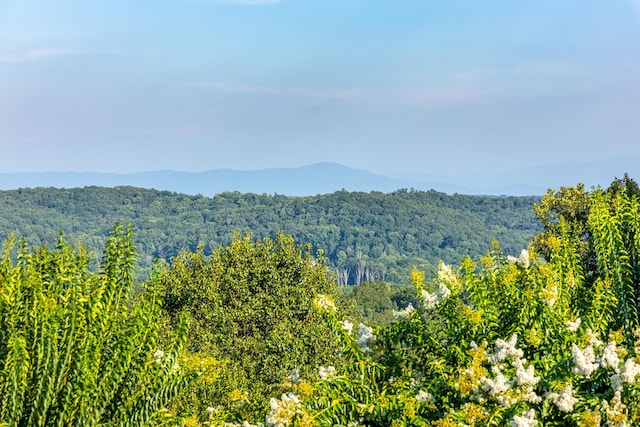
(75, 349)
(614, 226)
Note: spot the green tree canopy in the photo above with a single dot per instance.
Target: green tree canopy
(250, 306)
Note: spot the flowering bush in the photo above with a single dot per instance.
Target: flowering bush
(519, 341)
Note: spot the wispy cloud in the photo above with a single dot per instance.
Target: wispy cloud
(530, 70)
(435, 96)
(332, 95)
(442, 96)
(31, 54)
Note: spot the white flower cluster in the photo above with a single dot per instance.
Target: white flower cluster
(431, 300)
(365, 336)
(506, 350)
(522, 260)
(615, 410)
(630, 370)
(584, 360)
(585, 363)
(625, 371)
(564, 400)
(527, 419)
(165, 360)
(324, 302)
(423, 396)
(158, 356)
(283, 410)
(446, 274)
(405, 312)
(326, 373)
(503, 390)
(610, 357)
(573, 326)
(348, 326)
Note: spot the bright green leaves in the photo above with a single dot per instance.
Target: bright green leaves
(614, 225)
(75, 349)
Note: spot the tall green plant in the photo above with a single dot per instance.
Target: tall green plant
(614, 221)
(75, 350)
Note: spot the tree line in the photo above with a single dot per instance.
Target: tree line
(364, 236)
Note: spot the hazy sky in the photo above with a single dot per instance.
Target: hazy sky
(439, 87)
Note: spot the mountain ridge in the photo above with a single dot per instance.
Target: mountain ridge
(327, 177)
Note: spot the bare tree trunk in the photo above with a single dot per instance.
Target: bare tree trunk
(342, 276)
(360, 270)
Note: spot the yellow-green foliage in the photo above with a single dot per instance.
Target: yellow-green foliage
(519, 341)
(249, 306)
(75, 350)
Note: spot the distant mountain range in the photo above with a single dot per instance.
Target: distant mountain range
(325, 178)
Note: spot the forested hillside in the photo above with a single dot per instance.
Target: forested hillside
(365, 236)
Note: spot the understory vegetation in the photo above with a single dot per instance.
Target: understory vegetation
(257, 332)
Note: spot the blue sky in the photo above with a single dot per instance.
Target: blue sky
(416, 86)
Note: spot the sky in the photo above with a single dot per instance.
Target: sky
(445, 87)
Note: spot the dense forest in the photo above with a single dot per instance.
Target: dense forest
(365, 236)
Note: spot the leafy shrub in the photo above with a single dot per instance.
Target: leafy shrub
(249, 307)
(75, 349)
(515, 341)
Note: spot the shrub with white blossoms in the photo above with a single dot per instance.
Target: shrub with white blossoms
(283, 410)
(348, 326)
(503, 390)
(326, 373)
(446, 275)
(584, 361)
(365, 337)
(424, 396)
(527, 419)
(404, 312)
(557, 345)
(446, 280)
(564, 400)
(609, 358)
(630, 370)
(522, 260)
(572, 326)
(431, 300)
(615, 411)
(325, 303)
